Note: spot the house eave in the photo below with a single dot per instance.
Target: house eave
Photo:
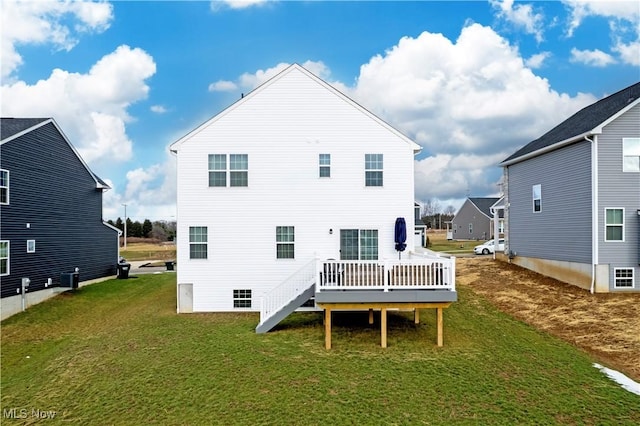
(553, 147)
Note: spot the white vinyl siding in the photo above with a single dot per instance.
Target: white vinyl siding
(623, 278)
(614, 224)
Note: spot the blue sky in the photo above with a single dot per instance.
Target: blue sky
(470, 81)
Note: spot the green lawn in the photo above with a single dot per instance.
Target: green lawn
(117, 353)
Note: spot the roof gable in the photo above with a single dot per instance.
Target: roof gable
(295, 68)
(13, 128)
(587, 121)
(483, 204)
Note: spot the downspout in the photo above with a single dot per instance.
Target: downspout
(594, 211)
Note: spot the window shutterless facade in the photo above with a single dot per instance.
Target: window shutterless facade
(4, 186)
(324, 163)
(234, 172)
(537, 198)
(373, 166)
(631, 154)
(198, 242)
(614, 224)
(359, 244)
(4, 258)
(242, 298)
(285, 242)
(623, 277)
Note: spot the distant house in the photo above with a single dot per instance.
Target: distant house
(573, 197)
(329, 181)
(474, 219)
(50, 214)
(420, 229)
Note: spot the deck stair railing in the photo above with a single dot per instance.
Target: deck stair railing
(288, 291)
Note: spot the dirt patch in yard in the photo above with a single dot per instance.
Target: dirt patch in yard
(605, 325)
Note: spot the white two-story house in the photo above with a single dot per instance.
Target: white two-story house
(293, 174)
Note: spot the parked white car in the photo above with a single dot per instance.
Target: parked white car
(488, 247)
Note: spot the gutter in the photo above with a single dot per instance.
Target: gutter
(594, 210)
(549, 148)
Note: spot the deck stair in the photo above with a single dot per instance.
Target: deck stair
(281, 301)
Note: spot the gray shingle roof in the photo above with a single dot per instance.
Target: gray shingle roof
(484, 203)
(582, 122)
(11, 126)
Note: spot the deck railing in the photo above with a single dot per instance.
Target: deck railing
(288, 290)
(415, 272)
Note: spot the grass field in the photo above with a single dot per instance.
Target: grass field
(147, 251)
(117, 353)
(438, 242)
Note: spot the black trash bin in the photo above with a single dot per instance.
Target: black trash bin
(123, 270)
(70, 280)
(169, 265)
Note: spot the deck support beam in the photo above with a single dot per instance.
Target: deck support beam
(383, 307)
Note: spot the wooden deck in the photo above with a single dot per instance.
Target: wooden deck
(383, 307)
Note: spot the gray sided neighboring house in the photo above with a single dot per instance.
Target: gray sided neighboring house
(474, 219)
(573, 197)
(50, 213)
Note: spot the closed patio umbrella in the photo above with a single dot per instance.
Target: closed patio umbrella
(400, 235)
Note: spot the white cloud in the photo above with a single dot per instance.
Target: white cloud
(223, 86)
(521, 16)
(159, 109)
(46, 22)
(92, 107)
(596, 58)
(629, 52)
(217, 5)
(469, 103)
(536, 61)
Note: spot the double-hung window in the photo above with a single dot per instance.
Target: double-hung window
(614, 224)
(537, 198)
(631, 154)
(4, 257)
(197, 242)
(373, 166)
(242, 298)
(234, 172)
(324, 162)
(4, 186)
(285, 242)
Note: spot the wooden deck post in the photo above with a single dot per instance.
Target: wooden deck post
(370, 316)
(327, 328)
(440, 323)
(383, 327)
(416, 316)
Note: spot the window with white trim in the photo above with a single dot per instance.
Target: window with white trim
(373, 166)
(4, 186)
(501, 226)
(614, 224)
(537, 198)
(324, 164)
(359, 244)
(631, 154)
(234, 172)
(471, 228)
(31, 246)
(623, 278)
(4, 257)
(285, 242)
(198, 242)
(242, 298)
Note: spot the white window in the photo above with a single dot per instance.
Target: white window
(4, 186)
(235, 172)
(285, 242)
(373, 165)
(31, 246)
(4, 257)
(537, 198)
(324, 162)
(471, 228)
(623, 278)
(631, 154)
(241, 298)
(197, 242)
(614, 224)
(501, 226)
(359, 244)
